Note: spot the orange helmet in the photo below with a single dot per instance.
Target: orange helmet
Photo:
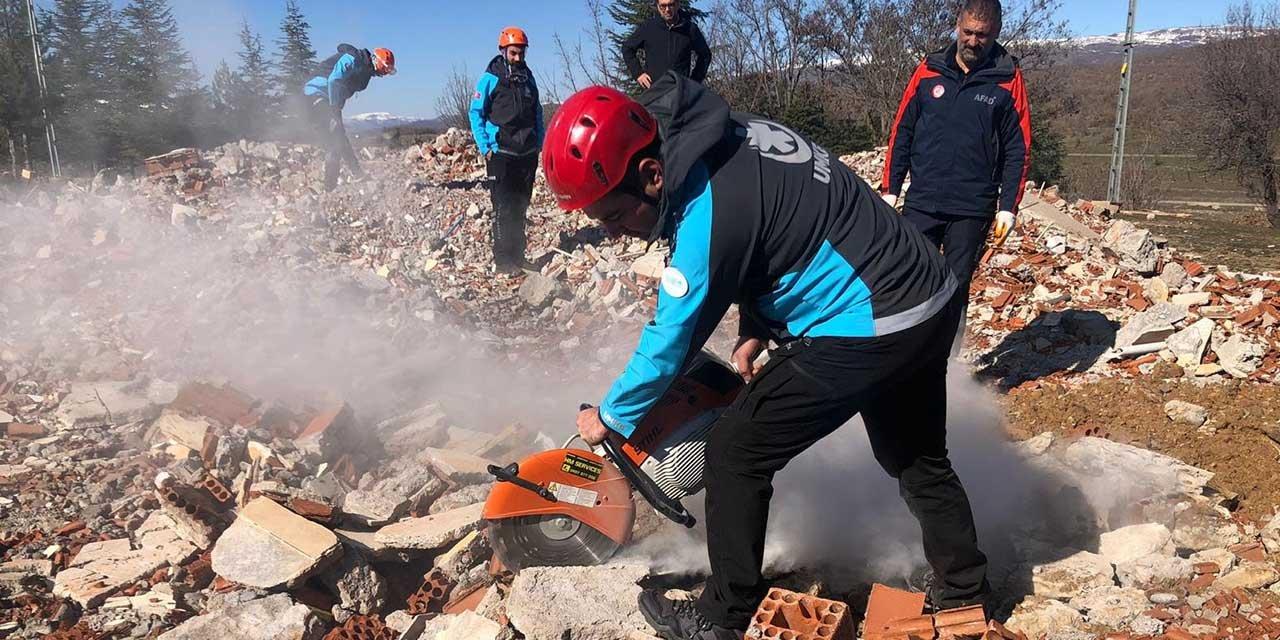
(384, 62)
(512, 35)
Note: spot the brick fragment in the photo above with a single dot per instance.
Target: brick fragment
(887, 604)
(24, 431)
(794, 616)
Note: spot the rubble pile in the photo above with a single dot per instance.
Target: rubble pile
(134, 506)
(1078, 293)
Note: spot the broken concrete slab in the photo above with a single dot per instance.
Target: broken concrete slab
(431, 532)
(92, 583)
(1072, 575)
(1111, 606)
(359, 588)
(270, 546)
(1136, 247)
(1151, 326)
(274, 617)
(1155, 571)
(1248, 575)
(1039, 617)
(14, 572)
(102, 550)
(188, 432)
(1145, 472)
(97, 404)
(584, 603)
(1201, 526)
(390, 498)
(160, 532)
(1189, 344)
(462, 497)
(469, 625)
(1052, 216)
(459, 466)
(1135, 541)
(1240, 356)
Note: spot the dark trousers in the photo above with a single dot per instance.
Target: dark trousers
(509, 192)
(808, 389)
(333, 138)
(962, 240)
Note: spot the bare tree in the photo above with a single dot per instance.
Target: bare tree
(591, 62)
(874, 45)
(454, 104)
(765, 53)
(1240, 100)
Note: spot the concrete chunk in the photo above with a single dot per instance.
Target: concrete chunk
(269, 546)
(92, 583)
(1186, 413)
(106, 549)
(1136, 541)
(160, 532)
(461, 467)
(431, 532)
(1072, 575)
(583, 603)
(275, 617)
(1189, 344)
(96, 404)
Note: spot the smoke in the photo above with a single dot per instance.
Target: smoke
(267, 294)
(837, 514)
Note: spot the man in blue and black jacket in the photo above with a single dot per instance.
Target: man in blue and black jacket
(861, 304)
(341, 76)
(506, 121)
(963, 131)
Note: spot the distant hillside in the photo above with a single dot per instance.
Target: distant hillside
(381, 121)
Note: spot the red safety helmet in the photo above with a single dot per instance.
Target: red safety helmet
(589, 143)
(384, 62)
(512, 35)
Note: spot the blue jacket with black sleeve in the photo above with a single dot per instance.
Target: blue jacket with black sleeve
(343, 75)
(762, 217)
(506, 110)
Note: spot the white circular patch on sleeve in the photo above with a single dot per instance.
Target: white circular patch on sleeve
(674, 282)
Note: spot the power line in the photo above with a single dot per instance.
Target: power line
(50, 135)
(1122, 111)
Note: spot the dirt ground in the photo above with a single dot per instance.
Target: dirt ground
(1233, 444)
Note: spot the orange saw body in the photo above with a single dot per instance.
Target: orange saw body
(574, 506)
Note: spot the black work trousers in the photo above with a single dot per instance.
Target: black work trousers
(810, 388)
(509, 191)
(333, 138)
(962, 240)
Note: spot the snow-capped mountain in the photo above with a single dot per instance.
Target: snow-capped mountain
(379, 120)
(1102, 48)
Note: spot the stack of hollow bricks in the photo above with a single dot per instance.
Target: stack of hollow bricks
(893, 614)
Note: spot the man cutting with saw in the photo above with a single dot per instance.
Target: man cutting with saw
(859, 302)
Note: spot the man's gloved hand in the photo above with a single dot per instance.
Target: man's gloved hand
(891, 199)
(1005, 222)
(590, 427)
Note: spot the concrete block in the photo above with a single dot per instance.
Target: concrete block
(269, 546)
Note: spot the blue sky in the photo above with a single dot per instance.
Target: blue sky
(432, 36)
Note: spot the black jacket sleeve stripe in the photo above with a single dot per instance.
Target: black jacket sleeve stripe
(898, 158)
(1016, 136)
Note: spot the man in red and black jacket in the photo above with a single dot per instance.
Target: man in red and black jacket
(963, 131)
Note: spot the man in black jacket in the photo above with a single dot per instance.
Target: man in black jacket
(963, 131)
(862, 306)
(670, 40)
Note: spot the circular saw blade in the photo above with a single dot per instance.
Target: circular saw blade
(548, 540)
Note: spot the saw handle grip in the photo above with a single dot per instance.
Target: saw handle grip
(665, 505)
(511, 473)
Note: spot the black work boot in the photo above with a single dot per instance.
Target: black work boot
(924, 580)
(680, 619)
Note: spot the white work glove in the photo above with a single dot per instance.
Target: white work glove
(1005, 222)
(891, 199)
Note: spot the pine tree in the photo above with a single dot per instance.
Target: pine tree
(160, 83)
(78, 77)
(628, 15)
(297, 56)
(19, 97)
(250, 88)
